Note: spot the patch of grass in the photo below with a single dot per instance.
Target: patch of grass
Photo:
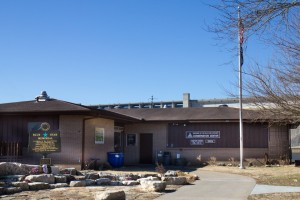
(286, 180)
(275, 196)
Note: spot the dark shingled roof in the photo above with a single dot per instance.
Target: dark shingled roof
(52, 105)
(187, 114)
(58, 107)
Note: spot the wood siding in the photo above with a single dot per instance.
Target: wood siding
(14, 130)
(255, 135)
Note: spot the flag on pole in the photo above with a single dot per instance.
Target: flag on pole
(241, 40)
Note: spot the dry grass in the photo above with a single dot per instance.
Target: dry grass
(275, 196)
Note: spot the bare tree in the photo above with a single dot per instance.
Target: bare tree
(275, 88)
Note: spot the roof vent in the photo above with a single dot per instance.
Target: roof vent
(43, 96)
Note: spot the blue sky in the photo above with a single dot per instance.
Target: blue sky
(113, 51)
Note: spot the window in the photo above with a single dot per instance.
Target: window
(99, 135)
(131, 139)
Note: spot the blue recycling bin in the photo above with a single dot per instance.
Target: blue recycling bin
(115, 159)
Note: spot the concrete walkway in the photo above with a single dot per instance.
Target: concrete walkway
(217, 186)
(214, 186)
(264, 189)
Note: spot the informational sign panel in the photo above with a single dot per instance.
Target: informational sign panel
(202, 137)
(44, 140)
(196, 142)
(202, 134)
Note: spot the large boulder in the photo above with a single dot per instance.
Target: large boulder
(103, 181)
(150, 178)
(10, 168)
(12, 190)
(180, 180)
(58, 185)
(22, 185)
(38, 186)
(90, 182)
(130, 183)
(79, 178)
(77, 184)
(54, 170)
(171, 173)
(153, 186)
(60, 179)
(46, 178)
(110, 195)
(71, 171)
(93, 176)
(116, 183)
(108, 175)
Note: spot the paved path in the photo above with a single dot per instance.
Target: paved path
(214, 186)
(263, 189)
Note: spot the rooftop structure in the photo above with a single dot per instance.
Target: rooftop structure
(186, 102)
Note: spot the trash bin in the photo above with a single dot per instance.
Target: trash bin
(167, 158)
(159, 157)
(115, 159)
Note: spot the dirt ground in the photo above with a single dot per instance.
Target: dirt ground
(87, 193)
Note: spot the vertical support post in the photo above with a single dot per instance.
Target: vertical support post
(240, 93)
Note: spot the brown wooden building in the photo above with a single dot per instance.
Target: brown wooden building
(77, 125)
(89, 133)
(201, 133)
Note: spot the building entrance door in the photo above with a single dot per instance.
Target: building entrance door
(146, 148)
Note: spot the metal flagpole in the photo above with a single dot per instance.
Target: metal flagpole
(240, 39)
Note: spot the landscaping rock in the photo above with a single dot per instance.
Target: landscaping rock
(110, 195)
(133, 177)
(90, 182)
(153, 186)
(58, 185)
(171, 173)
(115, 183)
(22, 185)
(103, 181)
(93, 176)
(130, 183)
(69, 177)
(79, 178)
(38, 186)
(12, 190)
(108, 175)
(2, 190)
(13, 178)
(148, 175)
(10, 168)
(181, 180)
(55, 170)
(60, 179)
(77, 184)
(150, 178)
(71, 171)
(46, 178)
